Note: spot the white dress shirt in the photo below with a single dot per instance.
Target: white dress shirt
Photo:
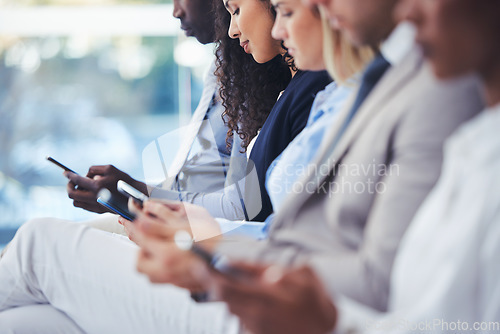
(446, 274)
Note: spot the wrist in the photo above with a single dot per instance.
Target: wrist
(210, 244)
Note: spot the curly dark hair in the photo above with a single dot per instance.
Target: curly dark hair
(248, 90)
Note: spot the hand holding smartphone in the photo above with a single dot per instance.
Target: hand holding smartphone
(106, 199)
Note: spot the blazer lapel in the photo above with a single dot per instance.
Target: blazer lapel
(387, 89)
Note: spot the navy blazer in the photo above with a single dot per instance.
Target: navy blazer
(287, 119)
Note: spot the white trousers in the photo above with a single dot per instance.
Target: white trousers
(60, 276)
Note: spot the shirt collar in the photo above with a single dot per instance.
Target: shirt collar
(399, 43)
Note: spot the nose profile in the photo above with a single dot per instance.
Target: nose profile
(177, 12)
(234, 31)
(278, 31)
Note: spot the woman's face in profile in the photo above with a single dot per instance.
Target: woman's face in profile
(300, 29)
(251, 23)
(457, 36)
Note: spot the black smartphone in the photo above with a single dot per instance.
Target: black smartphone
(58, 164)
(106, 199)
(131, 192)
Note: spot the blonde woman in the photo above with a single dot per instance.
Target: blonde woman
(342, 60)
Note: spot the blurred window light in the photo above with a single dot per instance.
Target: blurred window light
(77, 47)
(89, 85)
(190, 53)
(50, 48)
(146, 20)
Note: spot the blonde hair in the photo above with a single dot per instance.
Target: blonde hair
(342, 59)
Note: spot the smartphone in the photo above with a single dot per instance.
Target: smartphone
(106, 199)
(58, 164)
(220, 265)
(129, 191)
(184, 241)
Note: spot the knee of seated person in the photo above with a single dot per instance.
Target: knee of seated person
(13, 323)
(26, 233)
(10, 325)
(43, 319)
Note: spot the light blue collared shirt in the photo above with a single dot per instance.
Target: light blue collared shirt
(294, 161)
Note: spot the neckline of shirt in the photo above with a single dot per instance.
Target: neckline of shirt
(399, 43)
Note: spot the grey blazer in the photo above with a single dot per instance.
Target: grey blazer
(354, 208)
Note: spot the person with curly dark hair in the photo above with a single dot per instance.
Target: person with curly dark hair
(250, 86)
(254, 69)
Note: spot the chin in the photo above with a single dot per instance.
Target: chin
(314, 66)
(355, 39)
(204, 39)
(305, 66)
(261, 60)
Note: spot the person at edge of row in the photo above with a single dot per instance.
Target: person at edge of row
(394, 129)
(206, 179)
(295, 159)
(445, 276)
(85, 265)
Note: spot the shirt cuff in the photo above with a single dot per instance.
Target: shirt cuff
(158, 193)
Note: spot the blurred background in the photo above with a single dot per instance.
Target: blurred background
(87, 82)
